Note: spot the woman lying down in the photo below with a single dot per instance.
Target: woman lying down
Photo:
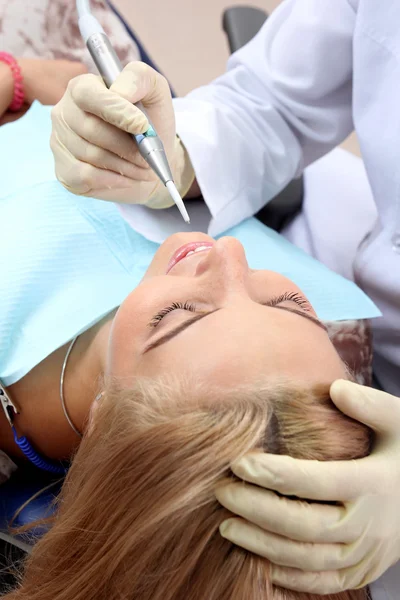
(154, 368)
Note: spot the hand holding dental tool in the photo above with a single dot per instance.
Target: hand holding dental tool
(149, 144)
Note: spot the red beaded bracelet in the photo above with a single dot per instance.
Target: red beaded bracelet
(19, 96)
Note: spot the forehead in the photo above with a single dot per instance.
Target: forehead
(236, 345)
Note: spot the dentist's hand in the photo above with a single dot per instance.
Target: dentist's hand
(94, 153)
(322, 548)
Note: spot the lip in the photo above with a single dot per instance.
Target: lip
(184, 250)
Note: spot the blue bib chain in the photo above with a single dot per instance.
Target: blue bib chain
(56, 467)
(36, 459)
(23, 443)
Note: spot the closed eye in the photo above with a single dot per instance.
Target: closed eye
(189, 306)
(158, 317)
(291, 297)
(303, 312)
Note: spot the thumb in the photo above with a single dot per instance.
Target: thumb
(91, 95)
(378, 410)
(139, 82)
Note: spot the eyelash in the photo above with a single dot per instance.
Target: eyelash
(292, 296)
(174, 306)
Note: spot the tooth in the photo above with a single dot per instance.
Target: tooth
(201, 248)
(191, 252)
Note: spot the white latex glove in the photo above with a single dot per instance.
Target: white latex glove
(94, 153)
(317, 547)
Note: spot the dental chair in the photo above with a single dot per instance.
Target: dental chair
(240, 25)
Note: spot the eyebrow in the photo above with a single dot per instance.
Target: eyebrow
(182, 326)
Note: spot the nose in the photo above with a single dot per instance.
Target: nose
(225, 265)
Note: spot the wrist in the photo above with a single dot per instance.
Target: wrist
(27, 66)
(194, 190)
(184, 173)
(17, 99)
(6, 84)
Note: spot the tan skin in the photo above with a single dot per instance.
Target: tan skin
(43, 80)
(240, 341)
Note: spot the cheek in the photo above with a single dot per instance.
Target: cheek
(269, 283)
(123, 341)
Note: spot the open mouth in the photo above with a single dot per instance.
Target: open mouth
(188, 250)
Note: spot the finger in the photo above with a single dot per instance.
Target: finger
(288, 553)
(106, 182)
(139, 194)
(140, 82)
(332, 481)
(97, 156)
(84, 179)
(378, 410)
(322, 582)
(96, 131)
(69, 117)
(289, 518)
(92, 96)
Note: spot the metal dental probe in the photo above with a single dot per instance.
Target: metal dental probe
(108, 64)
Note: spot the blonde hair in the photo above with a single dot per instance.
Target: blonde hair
(137, 517)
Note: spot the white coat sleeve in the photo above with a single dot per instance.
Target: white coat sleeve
(284, 101)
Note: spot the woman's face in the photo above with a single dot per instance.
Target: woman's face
(208, 315)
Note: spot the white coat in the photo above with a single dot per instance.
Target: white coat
(317, 69)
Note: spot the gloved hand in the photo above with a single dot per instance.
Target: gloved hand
(94, 153)
(317, 547)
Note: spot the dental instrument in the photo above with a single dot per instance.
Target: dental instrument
(109, 66)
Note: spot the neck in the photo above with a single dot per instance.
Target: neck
(84, 372)
(37, 395)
